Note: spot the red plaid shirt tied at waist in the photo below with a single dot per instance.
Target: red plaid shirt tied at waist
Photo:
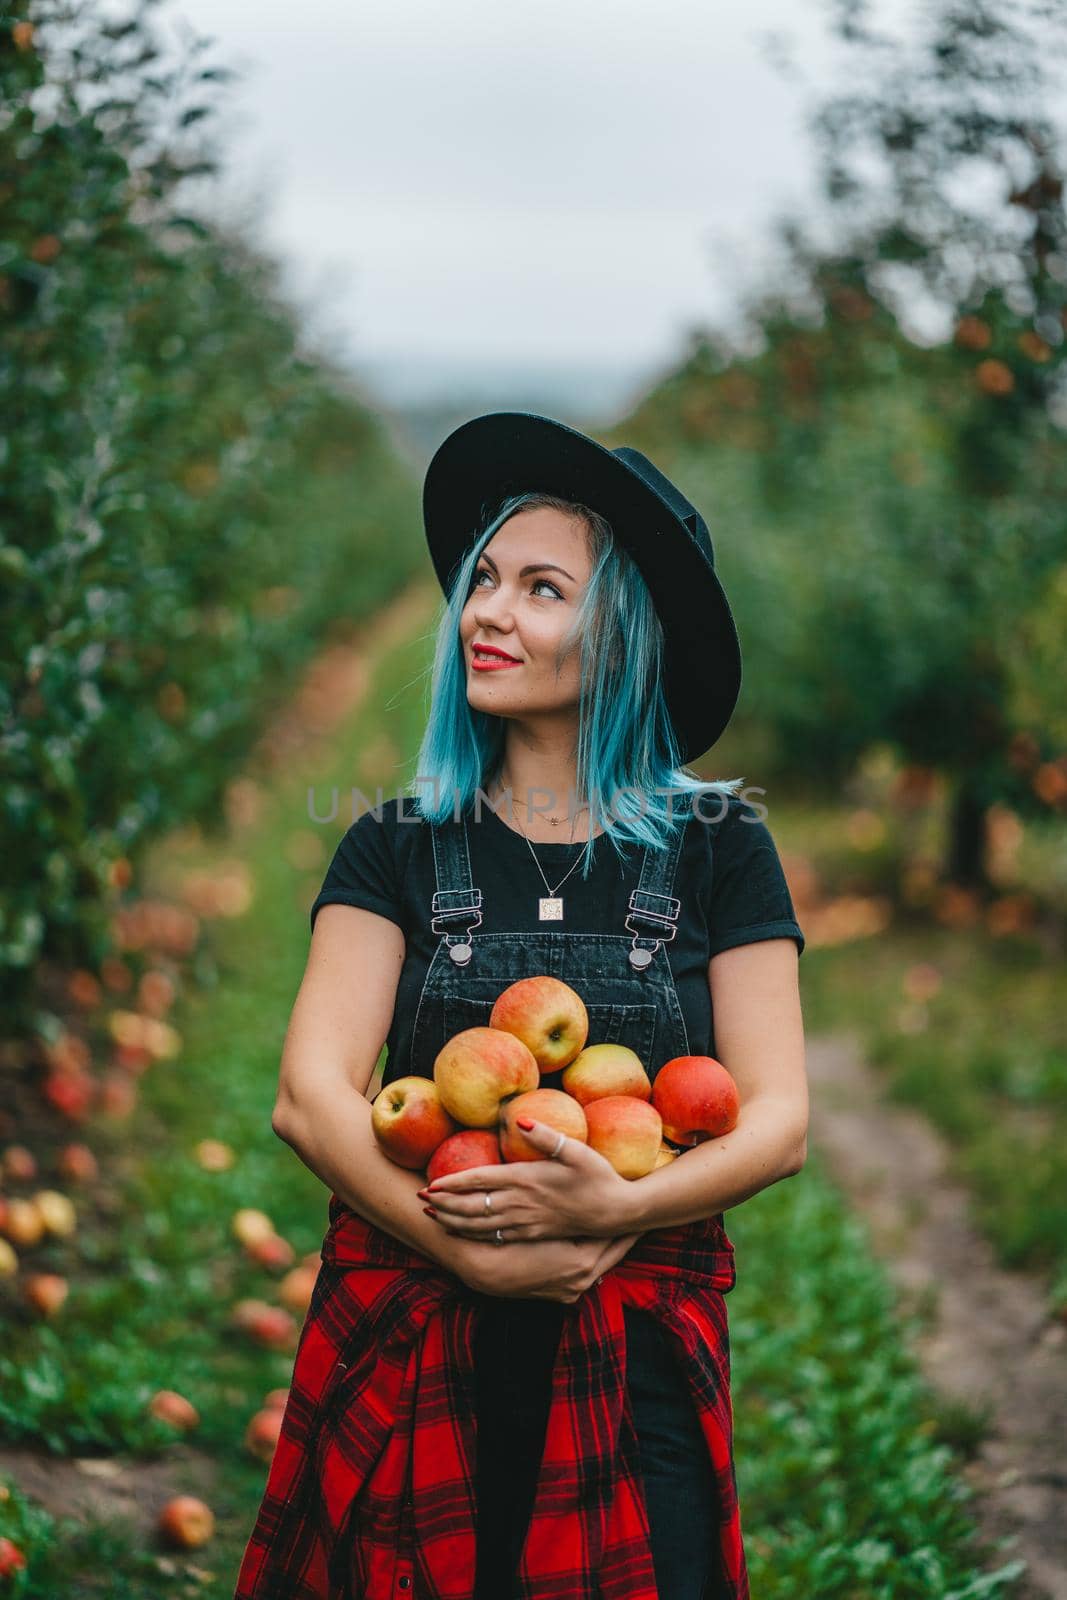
(370, 1493)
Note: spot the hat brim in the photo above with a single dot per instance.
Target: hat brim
(503, 453)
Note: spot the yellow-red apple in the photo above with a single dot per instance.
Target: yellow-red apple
(470, 1147)
(270, 1251)
(261, 1434)
(697, 1099)
(46, 1291)
(626, 1131)
(186, 1521)
(665, 1156)
(297, 1287)
(172, 1407)
(409, 1120)
(550, 1106)
(547, 1015)
(477, 1069)
(603, 1069)
(249, 1224)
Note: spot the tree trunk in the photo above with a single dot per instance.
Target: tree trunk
(967, 836)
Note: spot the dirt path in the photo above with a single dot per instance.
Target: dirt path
(990, 1341)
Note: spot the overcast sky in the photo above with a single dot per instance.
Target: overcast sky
(475, 185)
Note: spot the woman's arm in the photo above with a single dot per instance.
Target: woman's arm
(759, 1037)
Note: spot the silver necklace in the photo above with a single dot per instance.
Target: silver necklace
(550, 906)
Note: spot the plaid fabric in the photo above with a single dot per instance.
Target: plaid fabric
(370, 1491)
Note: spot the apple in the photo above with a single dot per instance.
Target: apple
(547, 1015)
(697, 1099)
(477, 1069)
(9, 1261)
(470, 1147)
(170, 1406)
(261, 1435)
(665, 1155)
(70, 1093)
(276, 1398)
(186, 1521)
(23, 1223)
(20, 1164)
(11, 1557)
(271, 1251)
(626, 1131)
(603, 1069)
(268, 1325)
(249, 1224)
(297, 1287)
(46, 1291)
(77, 1163)
(118, 1094)
(410, 1120)
(214, 1156)
(56, 1212)
(550, 1106)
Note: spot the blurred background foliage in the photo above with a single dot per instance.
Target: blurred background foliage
(891, 507)
(188, 495)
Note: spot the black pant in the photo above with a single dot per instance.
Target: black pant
(515, 1349)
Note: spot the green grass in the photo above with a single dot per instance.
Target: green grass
(849, 1481)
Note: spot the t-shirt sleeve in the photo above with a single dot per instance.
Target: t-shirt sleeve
(363, 871)
(749, 898)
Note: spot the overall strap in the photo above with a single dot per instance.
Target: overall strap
(456, 904)
(652, 902)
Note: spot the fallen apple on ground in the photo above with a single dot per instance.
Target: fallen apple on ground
(170, 1406)
(477, 1069)
(409, 1120)
(46, 1291)
(697, 1099)
(249, 1224)
(626, 1131)
(547, 1015)
(186, 1522)
(261, 1435)
(270, 1251)
(297, 1287)
(552, 1107)
(603, 1069)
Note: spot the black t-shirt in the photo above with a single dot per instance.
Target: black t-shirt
(729, 880)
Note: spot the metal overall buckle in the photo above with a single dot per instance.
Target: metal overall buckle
(640, 955)
(464, 903)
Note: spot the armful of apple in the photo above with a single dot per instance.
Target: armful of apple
(575, 1195)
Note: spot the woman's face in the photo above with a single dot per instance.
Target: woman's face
(526, 614)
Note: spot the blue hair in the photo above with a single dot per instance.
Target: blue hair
(627, 746)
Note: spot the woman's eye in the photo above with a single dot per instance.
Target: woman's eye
(484, 572)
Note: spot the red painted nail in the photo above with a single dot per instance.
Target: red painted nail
(524, 1123)
(429, 1210)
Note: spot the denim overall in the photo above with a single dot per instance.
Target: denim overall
(625, 981)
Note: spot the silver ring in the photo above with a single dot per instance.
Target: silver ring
(488, 1203)
(499, 1237)
(559, 1147)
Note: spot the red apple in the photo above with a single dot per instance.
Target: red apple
(46, 1291)
(20, 1164)
(626, 1131)
(550, 1106)
(409, 1119)
(170, 1406)
(603, 1069)
(270, 1251)
(11, 1557)
(697, 1099)
(261, 1435)
(547, 1015)
(186, 1521)
(470, 1147)
(77, 1163)
(276, 1398)
(477, 1069)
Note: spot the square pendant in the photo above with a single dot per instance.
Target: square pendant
(550, 910)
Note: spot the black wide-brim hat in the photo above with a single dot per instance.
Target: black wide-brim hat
(489, 458)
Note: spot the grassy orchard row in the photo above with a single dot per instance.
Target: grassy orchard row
(489, 1082)
(189, 493)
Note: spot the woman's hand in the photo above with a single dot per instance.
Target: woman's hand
(545, 1269)
(579, 1193)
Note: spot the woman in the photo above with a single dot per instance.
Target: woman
(523, 1389)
